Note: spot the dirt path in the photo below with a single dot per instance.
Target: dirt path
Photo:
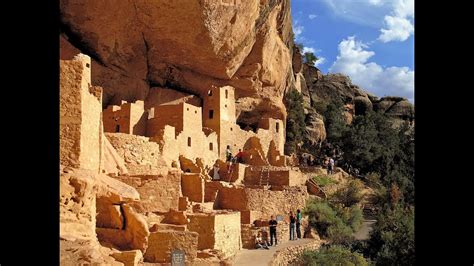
(364, 230)
(263, 256)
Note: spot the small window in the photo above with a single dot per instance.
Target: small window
(117, 128)
(226, 94)
(211, 114)
(209, 93)
(87, 65)
(187, 109)
(189, 141)
(195, 111)
(225, 105)
(210, 146)
(230, 129)
(277, 127)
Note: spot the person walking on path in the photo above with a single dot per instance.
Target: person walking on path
(298, 223)
(273, 230)
(292, 226)
(330, 166)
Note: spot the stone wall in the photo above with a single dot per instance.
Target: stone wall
(158, 193)
(292, 255)
(220, 231)
(267, 202)
(192, 185)
(141, 156)
(130, 118)
(80, 121)
(276, 176)
(162, 243)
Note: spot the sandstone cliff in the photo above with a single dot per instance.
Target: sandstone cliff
(186, 45)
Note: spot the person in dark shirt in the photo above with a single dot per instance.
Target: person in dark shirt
(273, 230)
(240, 156)
(292, 226)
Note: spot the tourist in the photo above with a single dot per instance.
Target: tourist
(292, 226)
(216, 172)
(228, 154)
(330, 165)
(240, 156)
(259, 242)
(273, 230)
(298, 223)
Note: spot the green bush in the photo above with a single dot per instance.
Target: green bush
(336, 223)
(339, 233)
(320, 106)
(334, 255)
(349, 195)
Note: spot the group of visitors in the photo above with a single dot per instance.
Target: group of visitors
(238, 158)
(329, 162)
(261, 239)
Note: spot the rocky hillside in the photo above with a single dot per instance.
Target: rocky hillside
(323, 89)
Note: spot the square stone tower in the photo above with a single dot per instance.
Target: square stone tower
(80, 129)
(219, 115)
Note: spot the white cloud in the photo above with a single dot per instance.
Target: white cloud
(308, 50)
(353, 61)
(312, 16)
(321, 60)
(297, 29)
(375, 2)
(364, 12)
(399, 26)
(399, 29)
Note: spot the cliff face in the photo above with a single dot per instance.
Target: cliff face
(186, 45)
(327, 88)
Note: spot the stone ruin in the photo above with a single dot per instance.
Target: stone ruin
(136, 179)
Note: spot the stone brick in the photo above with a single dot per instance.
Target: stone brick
(220, 231)
(192, 186)
(162, 243)
(158, 193)
(128, 258)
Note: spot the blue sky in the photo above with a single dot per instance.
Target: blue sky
(372, 41)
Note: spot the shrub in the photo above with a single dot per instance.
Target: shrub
(334, 255)
(337, 223)
(349, 195)
(309, 58)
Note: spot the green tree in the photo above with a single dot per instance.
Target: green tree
(334, 122)
(295, 121)
(333, 255)
(392, 239)
(310, 58)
